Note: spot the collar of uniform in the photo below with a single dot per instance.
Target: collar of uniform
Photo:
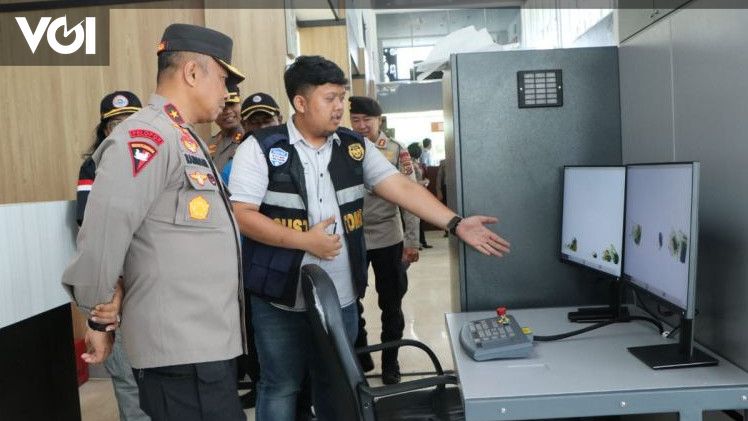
(236, 136)
(157, 101)
(294, 135)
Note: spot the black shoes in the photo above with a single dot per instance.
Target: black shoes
(391, 374)
(427, 246)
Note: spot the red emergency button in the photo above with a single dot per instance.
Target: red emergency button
(501, 311)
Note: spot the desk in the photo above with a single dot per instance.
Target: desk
(587, 375)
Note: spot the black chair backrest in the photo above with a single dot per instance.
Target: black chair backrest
(336, 353)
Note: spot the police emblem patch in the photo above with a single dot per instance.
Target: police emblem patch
(141, 154)
(278, 157)
(120, 101)
(356, 151)
(199, 177)
(199, 208)
(146, 134)
(189, 143)
(256, 99)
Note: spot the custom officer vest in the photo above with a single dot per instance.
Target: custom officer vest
(273, 272)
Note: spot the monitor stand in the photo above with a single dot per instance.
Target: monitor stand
(614, 311)
(680, 355)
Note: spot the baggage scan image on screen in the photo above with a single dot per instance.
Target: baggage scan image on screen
(661, 240)
(592, 221)
(658, 230)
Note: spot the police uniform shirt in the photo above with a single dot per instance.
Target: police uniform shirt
(382, 224)
(249, 181)
(223, 147)
(156, 214)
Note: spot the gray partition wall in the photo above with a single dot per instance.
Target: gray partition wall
(506, 161)
(684, 94)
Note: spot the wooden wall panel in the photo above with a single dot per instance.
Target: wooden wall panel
(259, 48)
(49, 113)
(330, 42)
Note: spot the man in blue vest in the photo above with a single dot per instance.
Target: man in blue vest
(297, 192)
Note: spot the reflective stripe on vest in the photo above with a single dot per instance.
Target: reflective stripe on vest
(350, 194)
(284, 200)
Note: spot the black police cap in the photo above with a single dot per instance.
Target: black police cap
(259, 102)
(197, 39)
(234, 96)
(118, 103)
(365, 105)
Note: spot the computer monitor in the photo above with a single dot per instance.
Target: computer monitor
(661, 244)
(592, 228)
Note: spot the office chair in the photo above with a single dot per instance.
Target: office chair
(422, 399)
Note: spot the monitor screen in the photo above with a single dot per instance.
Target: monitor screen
(592, 217)
(662, 229)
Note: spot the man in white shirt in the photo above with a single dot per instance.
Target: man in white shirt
(297, 192)
(426, 153)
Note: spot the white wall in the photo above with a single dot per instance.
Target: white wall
(38, 241)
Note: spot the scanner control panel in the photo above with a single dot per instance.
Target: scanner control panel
(496, 337)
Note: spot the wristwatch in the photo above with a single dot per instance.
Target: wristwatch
(99, 327)
(452, 225)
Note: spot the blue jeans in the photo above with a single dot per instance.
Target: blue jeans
(286, 353)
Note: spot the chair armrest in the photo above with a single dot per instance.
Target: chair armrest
(394, 389)
(401, 343)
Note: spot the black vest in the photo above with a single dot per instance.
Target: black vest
(273, 272)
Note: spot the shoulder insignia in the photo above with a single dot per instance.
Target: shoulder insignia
(381, 143)
(173, 114)
(146, 134)
(141, 153)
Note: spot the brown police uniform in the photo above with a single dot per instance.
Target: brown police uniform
(382, 225)
(223, 145)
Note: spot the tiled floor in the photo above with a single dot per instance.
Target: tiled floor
(427, 300)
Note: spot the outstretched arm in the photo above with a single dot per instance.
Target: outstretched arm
(419, 201)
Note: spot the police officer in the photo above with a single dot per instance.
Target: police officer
(258, 111)
(159, 215)
(384, 233)
(114, 108)
(298, 192)
(224, 143)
